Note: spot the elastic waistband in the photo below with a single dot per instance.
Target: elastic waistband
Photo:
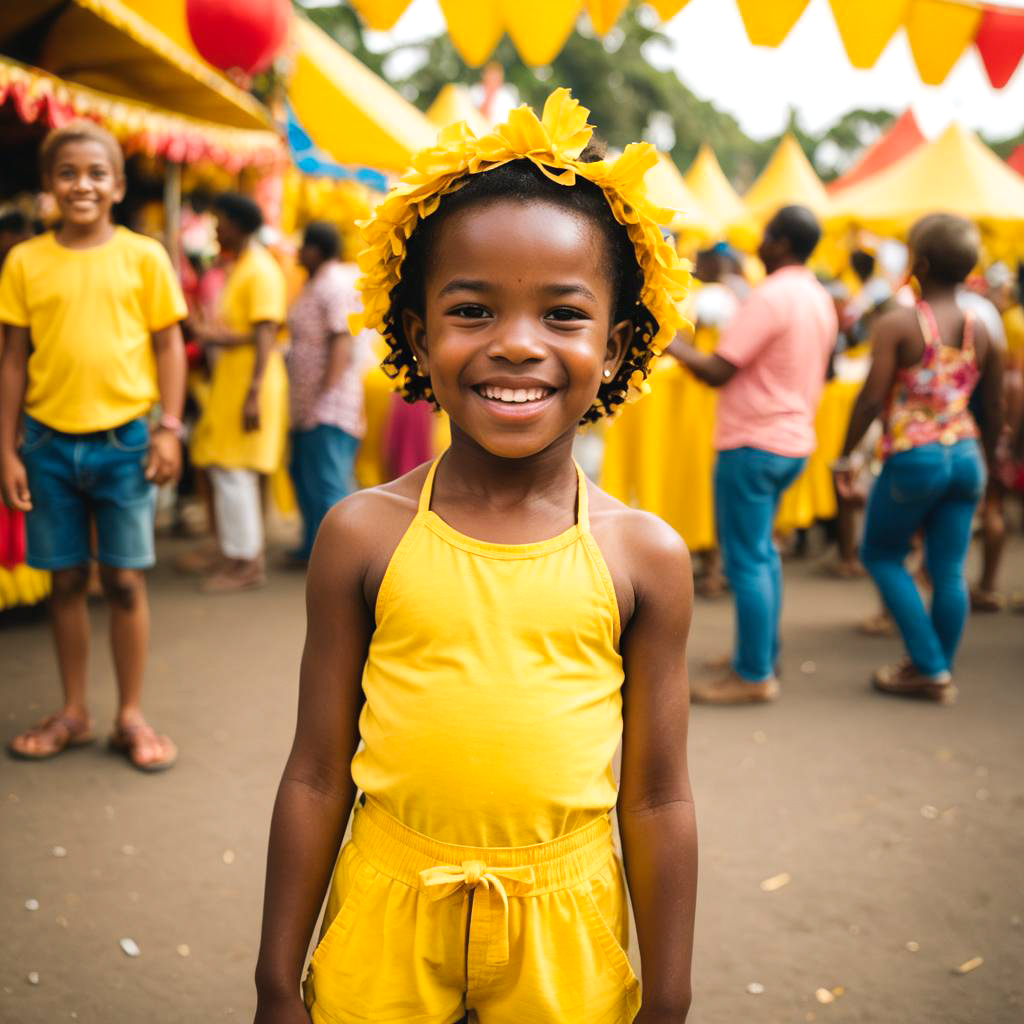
(403, 854)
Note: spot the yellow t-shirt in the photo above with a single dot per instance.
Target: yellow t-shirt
(255, 291)
(91, 313)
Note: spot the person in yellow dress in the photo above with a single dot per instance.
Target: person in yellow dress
(491, 625)
(242, 431)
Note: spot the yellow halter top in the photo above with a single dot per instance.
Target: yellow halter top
(493, 684)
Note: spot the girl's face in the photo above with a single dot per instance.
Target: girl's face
(518, 329)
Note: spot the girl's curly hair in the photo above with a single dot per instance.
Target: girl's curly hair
(521, 181)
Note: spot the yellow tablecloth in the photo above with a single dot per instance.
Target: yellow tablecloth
(659, 453)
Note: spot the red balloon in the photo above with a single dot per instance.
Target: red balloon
(243, 34)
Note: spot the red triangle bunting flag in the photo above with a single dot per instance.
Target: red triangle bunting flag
(1000, 41)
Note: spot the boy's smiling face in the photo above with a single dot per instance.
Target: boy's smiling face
(518, 329)
(84, 183)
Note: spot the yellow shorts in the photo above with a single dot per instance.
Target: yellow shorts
(420, 931)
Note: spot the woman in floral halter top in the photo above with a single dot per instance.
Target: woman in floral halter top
(927, 361)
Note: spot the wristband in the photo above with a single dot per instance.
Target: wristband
(843, 464)
(173, 424)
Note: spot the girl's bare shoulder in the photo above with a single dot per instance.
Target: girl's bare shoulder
(362, 531)
(641, 550)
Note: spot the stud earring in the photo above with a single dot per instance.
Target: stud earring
(607, 374)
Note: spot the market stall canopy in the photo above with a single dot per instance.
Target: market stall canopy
(902, 138)
(956, 173)
(716, 195)
(108, 46)
(666, 187)
(939, 31)
(41, 98)
(787, 178)
(452, 105)
(347, 110)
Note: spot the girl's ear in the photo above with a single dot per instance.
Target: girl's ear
(620, 337)
(416, 334)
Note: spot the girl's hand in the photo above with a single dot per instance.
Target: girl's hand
(251, 411)
(281, 1010)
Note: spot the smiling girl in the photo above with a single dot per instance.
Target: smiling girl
(483, 632)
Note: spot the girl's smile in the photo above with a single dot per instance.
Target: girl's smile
(517, 330)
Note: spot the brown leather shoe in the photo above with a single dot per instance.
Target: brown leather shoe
(733, 689)
(904, 680)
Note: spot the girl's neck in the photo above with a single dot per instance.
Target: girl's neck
(484, 479)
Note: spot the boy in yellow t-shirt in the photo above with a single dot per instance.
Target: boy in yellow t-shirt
(92, 341)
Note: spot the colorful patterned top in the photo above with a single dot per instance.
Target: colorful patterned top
(929, 400)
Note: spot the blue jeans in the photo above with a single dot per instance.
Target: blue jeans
(935, 489)
(748, 485)
(321, 469)
(74, 478)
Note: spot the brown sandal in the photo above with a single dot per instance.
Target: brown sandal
(127, 739)
(64, 733)
(987, 601)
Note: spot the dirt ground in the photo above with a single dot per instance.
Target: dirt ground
(901, 825)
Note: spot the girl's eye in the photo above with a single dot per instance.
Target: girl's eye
(469, 312)
(98, 173)
(566, 314)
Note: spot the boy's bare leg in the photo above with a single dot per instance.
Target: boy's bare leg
(69, 614)
(125, 590)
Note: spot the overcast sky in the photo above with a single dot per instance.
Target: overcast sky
(810, 72)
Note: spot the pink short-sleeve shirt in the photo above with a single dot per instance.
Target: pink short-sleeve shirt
(780, 342)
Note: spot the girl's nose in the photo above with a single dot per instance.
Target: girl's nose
(517, 342)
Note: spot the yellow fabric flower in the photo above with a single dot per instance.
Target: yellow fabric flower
(553, 144)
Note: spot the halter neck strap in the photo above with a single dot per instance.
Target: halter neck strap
(933, 336)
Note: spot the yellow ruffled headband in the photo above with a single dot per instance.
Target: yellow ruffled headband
(553, 144)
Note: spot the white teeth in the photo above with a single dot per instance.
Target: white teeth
(513, 395)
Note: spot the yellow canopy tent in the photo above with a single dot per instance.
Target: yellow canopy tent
(957, 173)
(348, 111)
(452, 105)
(788, 177)
(666, 187)
(712, 189)
(939, 31)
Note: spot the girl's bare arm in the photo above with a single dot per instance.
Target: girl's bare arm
(656, 813)
(316, 793)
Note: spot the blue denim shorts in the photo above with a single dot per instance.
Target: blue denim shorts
(76, 478)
